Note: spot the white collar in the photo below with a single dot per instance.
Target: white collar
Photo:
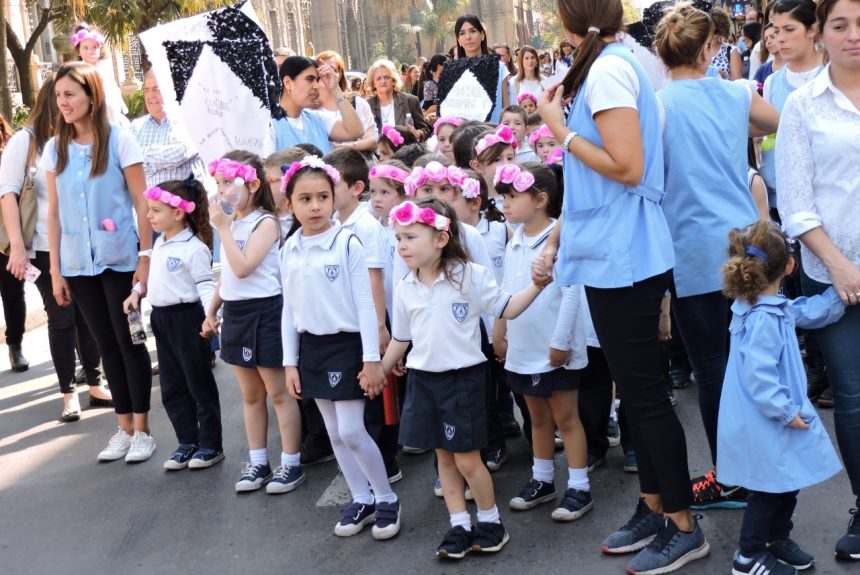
(519, 238)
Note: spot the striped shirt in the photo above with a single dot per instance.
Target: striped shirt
(166, 157)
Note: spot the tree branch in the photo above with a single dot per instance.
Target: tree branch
(44, 19)
(12, 42)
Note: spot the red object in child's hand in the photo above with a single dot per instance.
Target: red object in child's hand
(391, 400)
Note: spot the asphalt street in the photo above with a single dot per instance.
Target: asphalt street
(64, 513)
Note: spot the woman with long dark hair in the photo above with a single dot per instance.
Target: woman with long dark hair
(472, 42)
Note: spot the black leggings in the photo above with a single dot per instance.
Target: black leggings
(127, 366)
(14, 304)
(595, 400)
(627, 322)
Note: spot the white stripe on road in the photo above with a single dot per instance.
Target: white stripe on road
(336, 494)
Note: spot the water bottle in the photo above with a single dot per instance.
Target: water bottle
(231, 195)
(409, 121)
(135, 326)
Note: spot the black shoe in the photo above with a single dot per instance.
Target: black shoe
(574, 505)
(789, 552)
(826, 398)
(533, 494)
(314, 454)
(848, 546)
(672, 399)
(510, 426)
(17, 360)
(392, 471)
(680, 379)
(764, 563)
(456, 543)
(489, 537)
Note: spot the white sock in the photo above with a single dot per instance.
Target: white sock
(291, 459)
(463, 519)
(578, 479)
(744, 560)
(543, 470)
(489, 515)
(387, 498)
(259, 456)
(364, 499)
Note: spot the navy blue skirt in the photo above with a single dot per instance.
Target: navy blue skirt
(329, 366)
(543, 384)
(251, 332)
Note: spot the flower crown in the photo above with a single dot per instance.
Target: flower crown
(514, 176)
(314, 162)
(526, 96)
(469, 187)
(450, 120)
(502, 135)
(408, 213)
(163, 196)
(436, 173)
(390, 172)
(555, 157)
(84, 34)
(232, 170)
(392, 134)
(542, 132)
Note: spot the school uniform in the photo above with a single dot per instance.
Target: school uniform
(495, 237)
(524, 154)
(250, 329)
(389, 249)
(180, 288)
(329, 323)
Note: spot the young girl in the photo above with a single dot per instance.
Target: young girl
(250, 291)
(544, 143)
(392, 139)
(544, 365)
(89, 45)
(771, 440)
(437, 308)
(515, 118)
(443, 128)
(387, 191)
(483, 215)
(180, 288)
(528, 102)
(330, 335)
(494, 148)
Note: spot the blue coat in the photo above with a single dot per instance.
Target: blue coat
(764, 389)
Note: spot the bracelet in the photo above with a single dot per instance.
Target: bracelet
(144, 254)
(565, 144)
(339, 100)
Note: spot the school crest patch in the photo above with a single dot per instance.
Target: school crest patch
(460, 311)
(535, 379)
(173, 264)
(241, 244)
(497, 261)
(334, 378)
(391, 250)
(331, 272)
(247, 354)
(449, 430)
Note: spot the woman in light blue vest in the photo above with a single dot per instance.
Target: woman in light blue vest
(94, 174)
(705, 136)
(614, 240)
(301, 124)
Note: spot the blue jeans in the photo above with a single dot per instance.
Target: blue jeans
(838, 342)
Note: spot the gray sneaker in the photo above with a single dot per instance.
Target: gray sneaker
(670, 550)
(636, 533)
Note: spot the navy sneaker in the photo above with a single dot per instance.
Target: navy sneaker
(313, 454)
(613, 433)
(253, 477)
(594, 461)
(630, 464)
(495, 459)
(787, 551)
(489, 537)
(285, 479)
(456, 543)
(764, 564)
(848, 546)
(574, 505)
(353, 518)
(670, 550)
(392, 471)
(205, 457)
(533, 494)
(636, 533)
(386, 523)
(180, 457)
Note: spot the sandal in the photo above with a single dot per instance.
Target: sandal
(70, 415)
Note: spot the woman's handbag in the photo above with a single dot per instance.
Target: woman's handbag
(26, 203)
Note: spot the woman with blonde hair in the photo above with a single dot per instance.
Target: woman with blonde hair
(391, 106)
(328, 107)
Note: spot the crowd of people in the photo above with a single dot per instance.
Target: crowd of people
(396, 281)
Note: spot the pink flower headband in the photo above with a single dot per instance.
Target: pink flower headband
(82, 35)
(436, 173)
(555, 157)
(390, 172)
(408, 213)
(514, 176)
(392, 134)
(542, 132)
(450, 120)
(232, 170)
(314, 162)
(469, 187)
(526, 96)
(172, 200)
(503, 135)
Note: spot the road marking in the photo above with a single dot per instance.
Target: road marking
(336, 494)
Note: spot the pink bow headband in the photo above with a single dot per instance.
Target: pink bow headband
(436, 173)
(542, 132)
(82, 35)
(390, 172)
(502, 135)
(526, 96)
(555, 157)
(392, 134)
(172, 200)
(408, 213)
(514, 176)
(314, 162)
(450, 120)
(232, 170)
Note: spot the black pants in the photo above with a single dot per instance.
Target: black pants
(14, 304)
(188, 389)
(495, 434)
(627, 322)
(126, 365)
(595, 399)
(67, 331)
(767, 518)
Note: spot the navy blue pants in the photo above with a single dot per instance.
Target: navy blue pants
(188, 389)
(767, 518)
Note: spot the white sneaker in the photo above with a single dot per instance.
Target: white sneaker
(142, 447)
(117, 447)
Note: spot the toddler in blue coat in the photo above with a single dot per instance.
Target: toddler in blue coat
(770, 439)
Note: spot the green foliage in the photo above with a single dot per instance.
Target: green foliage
(19, 118)
(136, 105)
(402, 50)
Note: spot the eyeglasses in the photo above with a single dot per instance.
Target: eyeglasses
(384, 78)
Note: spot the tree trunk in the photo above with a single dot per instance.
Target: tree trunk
(23, 55)
(5, 93)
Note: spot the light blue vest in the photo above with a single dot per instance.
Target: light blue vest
(501, 86)
(86, 249)
(313, 132)
(614, 235)
(705, 155)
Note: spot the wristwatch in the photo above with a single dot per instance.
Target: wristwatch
(144, 253)
(565, 144)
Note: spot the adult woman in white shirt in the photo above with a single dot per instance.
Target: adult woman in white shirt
(528, 78)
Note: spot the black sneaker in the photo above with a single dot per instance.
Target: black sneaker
(386, 523)
(180, 457)
(672, 399)
(708, 493)
(314, 454)
(510, 426)
(489, 537)
(825, 400)
(456, 543)
(353, 518)
(613, 433)
(848, 546)
(636, 533)
(630, 463)
(787, 551)
(680, 379)
(392, 471)
(253, 477)
(594, 461)
(533, 494)
(574, 505)
(495, 459)
(765, 564)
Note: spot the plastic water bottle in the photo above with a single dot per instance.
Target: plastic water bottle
(135, 326)
(409, 121)
(231, 195)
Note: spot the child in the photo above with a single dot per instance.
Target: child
(443, 128)
(493, 149)
(484, 216)
(180, 288)
(274, 166)
(387, 191)
(544, 143)
(544, 365)
(527, 102)
(770, 439)
(250, 291)
(329, 330)
(391, 139)
(533, 123)
(437, 308)
(409, 153)
(515, 118)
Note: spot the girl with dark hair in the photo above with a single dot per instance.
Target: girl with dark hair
(431, 88)
(740, 59)
(472, 42)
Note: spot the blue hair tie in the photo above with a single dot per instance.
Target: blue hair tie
(756, 253)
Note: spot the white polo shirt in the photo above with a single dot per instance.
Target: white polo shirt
(362, 223)
(442, 321)
(559, 308)
(389, 249)
(180, 271)
(471, 240)
(495, 237)
(327, 291)
(264, 281)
